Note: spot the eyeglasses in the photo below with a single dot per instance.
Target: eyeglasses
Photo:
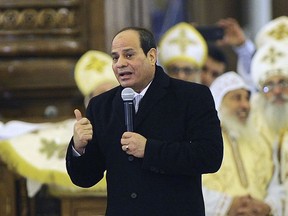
(270, 86)
(186, 70)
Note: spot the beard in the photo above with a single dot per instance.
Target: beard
(236, 128)
(275, 115)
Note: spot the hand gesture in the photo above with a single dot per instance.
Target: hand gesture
(82, 132)
(247, 205)
(233, 33)
(133, 144)
(240, 206)
(260, 208)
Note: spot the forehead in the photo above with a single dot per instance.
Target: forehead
(276, 78)
(126, 40)
(181, 63)
(242, 91)
(214, 62)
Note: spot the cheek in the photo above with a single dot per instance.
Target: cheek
(285, 93)
(114, 68)
(268, 96)
(139, 68)
(115, 73)
(231, 107)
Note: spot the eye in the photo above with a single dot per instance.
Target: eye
(115, 58)
(129, 55)
(204, 69)
(236, 97)
(215, 75)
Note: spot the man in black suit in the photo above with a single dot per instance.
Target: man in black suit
(156, 169)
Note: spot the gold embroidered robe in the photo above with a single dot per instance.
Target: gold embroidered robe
(247, 168)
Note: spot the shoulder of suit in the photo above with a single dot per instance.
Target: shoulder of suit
(187, 84)
(106, 95)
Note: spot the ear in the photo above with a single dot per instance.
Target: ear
(152, 55)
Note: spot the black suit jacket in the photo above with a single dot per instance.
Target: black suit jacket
(184, 141)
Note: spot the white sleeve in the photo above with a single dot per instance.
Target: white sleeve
(245, 53)
(216, 203)
(76, 153)
(275, 192)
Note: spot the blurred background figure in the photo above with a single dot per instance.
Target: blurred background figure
(214, 66)
(47, 141)
(93, 74)
(183, 52)
(234, 36)
(236, 188)
(206, 65)
(244, 48)
(275, 30)
(269, 72)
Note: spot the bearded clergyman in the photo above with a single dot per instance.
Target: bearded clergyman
(247, 181)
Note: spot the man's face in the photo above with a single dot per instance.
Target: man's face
(131, 66)
(211, 70)
(236, 104)
(183, 70)
(275, 90)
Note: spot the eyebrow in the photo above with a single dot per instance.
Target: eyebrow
(125, 50)
(275, 81)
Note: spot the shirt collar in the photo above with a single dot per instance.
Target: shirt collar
(143, 92)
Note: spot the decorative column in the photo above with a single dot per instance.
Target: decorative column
(259, 13)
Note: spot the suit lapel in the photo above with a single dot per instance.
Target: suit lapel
(156, 91)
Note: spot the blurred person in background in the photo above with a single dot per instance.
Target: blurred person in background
(183, 52)
(45, 172)
(269, 71)
(93, 74)
(234, 36)
(247, 182)
(214, 66)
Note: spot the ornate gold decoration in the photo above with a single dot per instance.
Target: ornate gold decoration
(9, 19)
(96, 65)
(272, 56)
(37, 19)
(280, 32)
(182, 40)
(51, 148)
(238, 159)
(27, 18)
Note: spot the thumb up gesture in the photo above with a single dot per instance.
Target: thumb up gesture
(82, 132)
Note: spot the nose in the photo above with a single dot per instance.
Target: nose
(277, 90)
(209, 78)
(121, 62)
(245, 103)
(181, 75)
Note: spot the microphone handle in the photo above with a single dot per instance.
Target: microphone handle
(128, 109)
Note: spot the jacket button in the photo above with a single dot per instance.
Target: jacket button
(130, 158)
(133, 195)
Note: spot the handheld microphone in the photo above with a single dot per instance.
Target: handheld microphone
(127, 95)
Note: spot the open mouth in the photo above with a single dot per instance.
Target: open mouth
(124, 74)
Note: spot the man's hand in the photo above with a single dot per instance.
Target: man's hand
(133, 144)
(240, 206)
(233, 33)
(260, 208)
(247, 205)
(82, 132)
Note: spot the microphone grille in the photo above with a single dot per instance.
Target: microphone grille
(127, 94)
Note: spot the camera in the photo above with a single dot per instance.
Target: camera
(211, 33)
